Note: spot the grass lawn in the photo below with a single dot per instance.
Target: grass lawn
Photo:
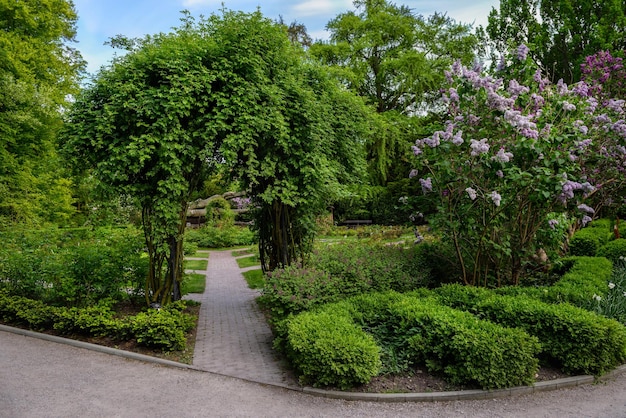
(193, 283)
(254, 278)
(242, 251)
(196, 264)
(248, 261)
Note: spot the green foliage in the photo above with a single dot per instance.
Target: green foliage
(164, 329)
(374, 267)
(578, 340)
(339, 271)
(413, 330)
(613, 250)
(588, 241)
(39, 70)
(224, 237)
(294, 289)
(73, 267)
(612, 302)
(330, 350)
(219, 214)
(394, 59)
(588, 276)
(551, 27)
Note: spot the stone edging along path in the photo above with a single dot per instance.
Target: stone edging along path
(351, 396)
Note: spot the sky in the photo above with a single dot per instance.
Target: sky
(99, 20)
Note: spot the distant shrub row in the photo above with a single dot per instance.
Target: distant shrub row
(220, 237)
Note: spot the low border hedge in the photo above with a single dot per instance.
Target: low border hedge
(466, 350)
(578, 340)
(164, 329)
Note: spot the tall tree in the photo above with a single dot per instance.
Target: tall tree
(229, 89)
(38, 70)
(560, 33)
(395, 59)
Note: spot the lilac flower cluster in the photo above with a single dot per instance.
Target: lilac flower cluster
(427, 185)
(479, 147)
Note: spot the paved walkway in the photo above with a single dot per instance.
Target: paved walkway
(233, 337)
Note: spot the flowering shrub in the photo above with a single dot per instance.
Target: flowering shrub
(513, 151)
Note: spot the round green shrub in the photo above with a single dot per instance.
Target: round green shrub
(613, 250)
(587, 241)
(328, 349)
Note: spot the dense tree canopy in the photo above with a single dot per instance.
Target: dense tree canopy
(37, 72)
(228, 89)
(396, 60)
(559, 33)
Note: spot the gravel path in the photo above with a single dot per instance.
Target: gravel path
(39, 378)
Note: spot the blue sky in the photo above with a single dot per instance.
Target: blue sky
(98, 20)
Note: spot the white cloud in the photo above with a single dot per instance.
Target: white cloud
(321, 7)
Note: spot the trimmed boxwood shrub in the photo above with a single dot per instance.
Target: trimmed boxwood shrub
(613, 250)
(465, 350)
(587, 277)
(578, 340)
(588, 241)
(328, 349)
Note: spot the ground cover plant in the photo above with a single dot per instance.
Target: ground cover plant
(196, 264)
(193, 283)
(164, 329)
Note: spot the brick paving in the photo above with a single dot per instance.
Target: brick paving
(233, 337)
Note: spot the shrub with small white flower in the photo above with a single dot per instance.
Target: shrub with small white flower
(613, 303)
(513, 151)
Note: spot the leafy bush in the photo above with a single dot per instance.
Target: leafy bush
(294, 289)
(588, 241)
(587, 276)
(580, 341)
(160, 329)
(329, 349)
(75, 269)
(613, 250)
(454, 343)
(214, 237)
(165, 328)
(340, 271)
(373, 266)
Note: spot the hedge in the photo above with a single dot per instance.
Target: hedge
(578, 340)
(467, 351)
(164, 329)
(587, 241)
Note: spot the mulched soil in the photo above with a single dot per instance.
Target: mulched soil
(421, 381)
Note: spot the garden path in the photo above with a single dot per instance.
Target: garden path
(233, 337)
